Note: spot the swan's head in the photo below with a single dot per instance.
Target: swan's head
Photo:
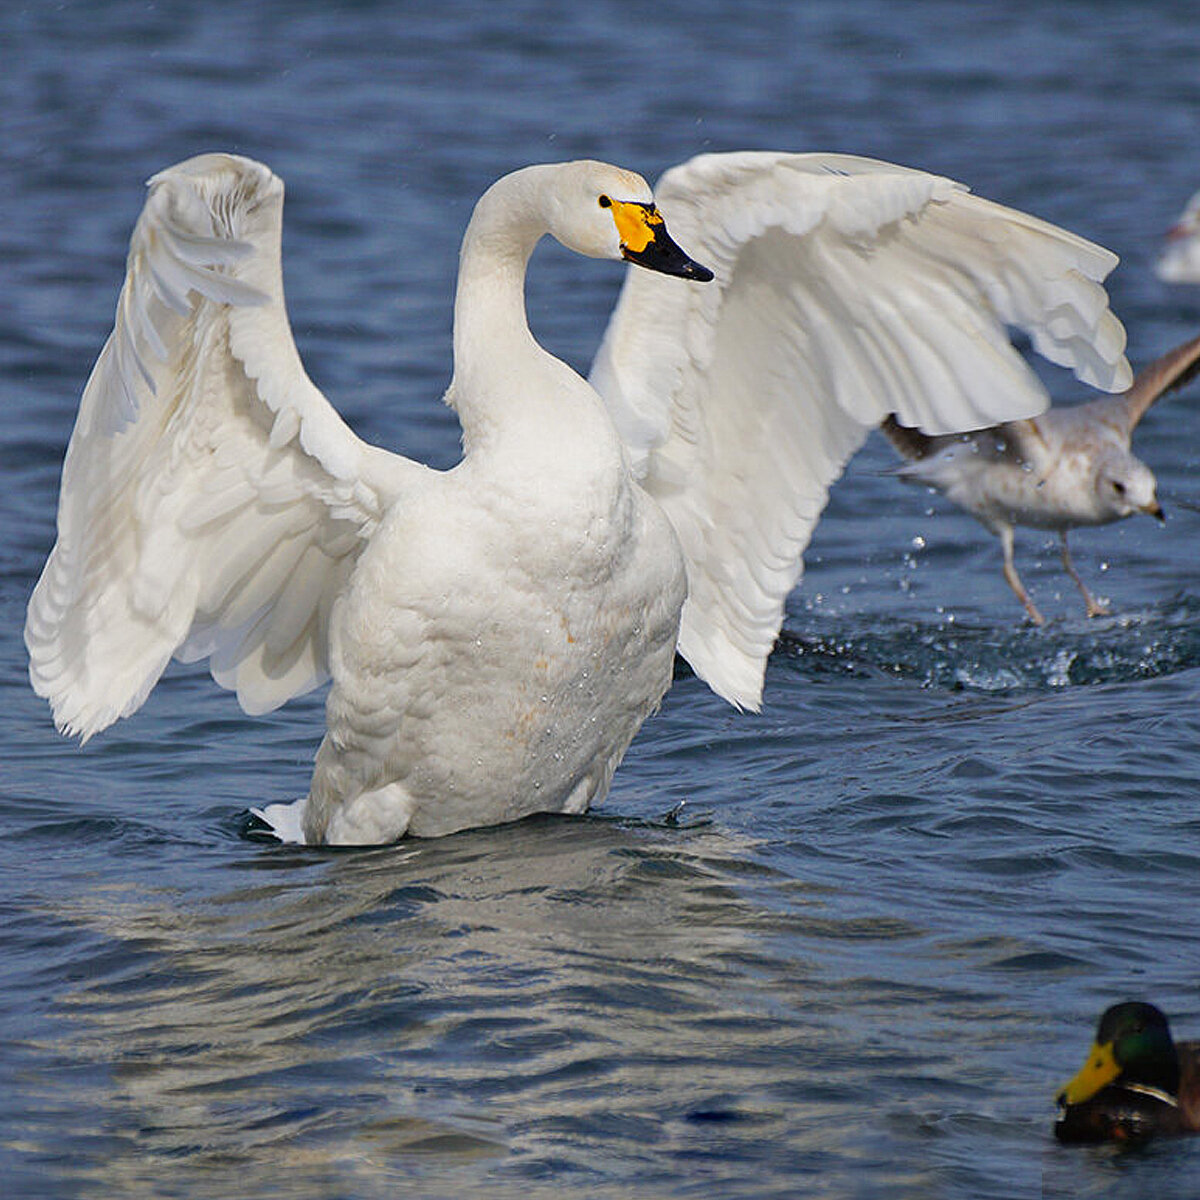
(605, 212)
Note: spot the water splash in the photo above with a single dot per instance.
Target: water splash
(960, 655)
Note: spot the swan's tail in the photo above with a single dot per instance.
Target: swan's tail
(285, 820)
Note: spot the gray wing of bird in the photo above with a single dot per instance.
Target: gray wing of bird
(1166, 374)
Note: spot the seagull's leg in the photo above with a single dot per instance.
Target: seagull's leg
(1095, 608)
(1014, 580)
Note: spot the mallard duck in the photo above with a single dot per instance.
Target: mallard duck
(1137, 1082)
(496, 633)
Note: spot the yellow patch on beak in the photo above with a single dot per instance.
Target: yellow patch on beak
(1100, 1070)
(637, 224)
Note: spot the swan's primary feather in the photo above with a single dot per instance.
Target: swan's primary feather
(212, 501)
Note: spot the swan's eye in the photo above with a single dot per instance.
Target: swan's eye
(605, 202)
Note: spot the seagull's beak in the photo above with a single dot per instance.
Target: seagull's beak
(645, 241)
(1154, 509)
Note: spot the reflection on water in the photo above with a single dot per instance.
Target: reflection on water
(556, 992)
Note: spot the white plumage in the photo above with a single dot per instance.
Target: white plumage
(847, 289)
(497, 633)
(1179, 261)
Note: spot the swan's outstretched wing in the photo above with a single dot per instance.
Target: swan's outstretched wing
(212, 502)
(846, 289)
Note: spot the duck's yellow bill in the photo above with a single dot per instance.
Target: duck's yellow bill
(1100, 1069)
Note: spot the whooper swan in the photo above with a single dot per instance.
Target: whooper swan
(496, 633)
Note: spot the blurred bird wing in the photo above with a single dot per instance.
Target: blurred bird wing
(213, 503)
(1166, 374)
(929, 458)
(846, 289)
(1018, 443)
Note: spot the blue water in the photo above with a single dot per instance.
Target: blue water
(876, 940)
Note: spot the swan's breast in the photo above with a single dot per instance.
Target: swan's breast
(498, 648)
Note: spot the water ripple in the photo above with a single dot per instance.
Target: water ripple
(867, 961)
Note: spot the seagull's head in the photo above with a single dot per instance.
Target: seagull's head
(605, 212)
(1124, 486)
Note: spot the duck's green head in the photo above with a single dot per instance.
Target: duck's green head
(1133, 1045)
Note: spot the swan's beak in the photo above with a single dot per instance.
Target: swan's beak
(645, 241)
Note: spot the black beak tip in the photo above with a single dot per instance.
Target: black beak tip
(665, 257)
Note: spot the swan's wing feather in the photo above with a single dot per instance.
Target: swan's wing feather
(212, 503)
(846, 289)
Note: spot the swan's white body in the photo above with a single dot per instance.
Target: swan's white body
(1179, 261)
(497, 633)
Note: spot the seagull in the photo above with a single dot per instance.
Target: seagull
(495, 634)
(1068, 467)
(1179, 261)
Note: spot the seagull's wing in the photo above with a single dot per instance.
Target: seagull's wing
(212, 502)
(1172, 370)
(845, 289)
(911, 444)
(1017, 442)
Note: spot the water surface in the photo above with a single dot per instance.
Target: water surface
(875, 941)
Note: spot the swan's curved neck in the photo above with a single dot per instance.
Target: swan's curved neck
(499, 368)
